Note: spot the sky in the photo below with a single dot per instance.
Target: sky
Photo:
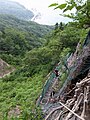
(47, 15)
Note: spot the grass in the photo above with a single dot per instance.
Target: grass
(24, 94)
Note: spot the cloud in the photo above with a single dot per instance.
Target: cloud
(48, 15)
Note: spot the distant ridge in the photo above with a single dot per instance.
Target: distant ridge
(15, 9)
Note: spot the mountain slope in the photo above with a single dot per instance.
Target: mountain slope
(18, 36)
(15, 9)
(35, 28)
(25, 84)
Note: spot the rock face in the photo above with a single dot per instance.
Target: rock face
(4, 68)
(73, 100)
(15, 9)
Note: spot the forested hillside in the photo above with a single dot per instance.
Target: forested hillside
(13, 8)
(34, 50)
(17, 36)
(24, 85)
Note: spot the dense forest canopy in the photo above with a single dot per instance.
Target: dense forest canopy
(18, 36)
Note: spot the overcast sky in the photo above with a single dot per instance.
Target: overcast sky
(48, 15)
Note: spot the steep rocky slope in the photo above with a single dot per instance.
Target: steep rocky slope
(72, 101)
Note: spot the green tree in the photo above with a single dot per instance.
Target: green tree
(61, 26)
(81, 8)
(56, 26)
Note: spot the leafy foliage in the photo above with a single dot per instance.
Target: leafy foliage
(81, 14)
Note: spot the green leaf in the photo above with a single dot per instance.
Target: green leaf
(69, 16)
(62, 6)
(78, 7)
(69, 7)
(54, 4)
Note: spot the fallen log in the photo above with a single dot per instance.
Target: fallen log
(72, 111)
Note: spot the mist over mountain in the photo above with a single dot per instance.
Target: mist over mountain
(15, 9)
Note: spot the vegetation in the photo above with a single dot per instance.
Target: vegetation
(34, 55)
(23, 86)
(81, 8)
(17, 37)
